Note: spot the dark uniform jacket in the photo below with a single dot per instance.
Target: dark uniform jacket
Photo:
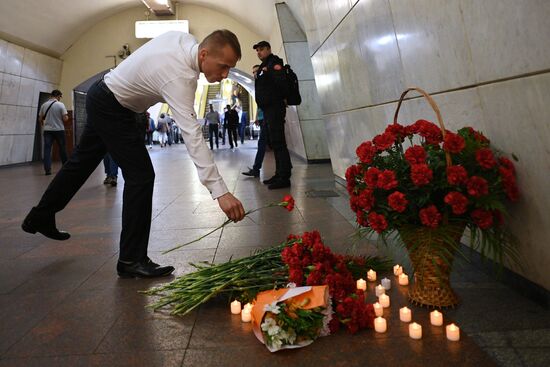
(270, 83)
(231, 118)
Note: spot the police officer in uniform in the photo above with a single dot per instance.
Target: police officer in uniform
(270, 85)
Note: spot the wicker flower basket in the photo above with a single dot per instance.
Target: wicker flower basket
(431, 252)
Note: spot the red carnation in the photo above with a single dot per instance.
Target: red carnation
(383, 141)
(483, 218)
(386, 180)
(430, 216)
(457, 201)
(430, 131)
(396, 130)
(288, 202)
(477, 186)
(371, 177)
(377, 222)
(508, 164)
(456, 175)
(485, 158)
(365, 200)
(421, 174)
(351, 172)
(453, 143)
(398, 201)
(360, 217)
(366, 152)
(415, 155)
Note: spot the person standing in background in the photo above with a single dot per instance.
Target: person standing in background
(149, 130)
(212, 118)
(52, 116)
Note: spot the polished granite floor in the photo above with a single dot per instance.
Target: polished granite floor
(62, 304)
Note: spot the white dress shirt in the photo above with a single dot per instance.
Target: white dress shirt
(166, 69)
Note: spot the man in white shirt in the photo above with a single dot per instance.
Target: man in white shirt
(53, 114)
(165, 69)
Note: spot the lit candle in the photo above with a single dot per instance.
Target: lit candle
(386, 283)
(453, 332)
(403, 279)
(378, 309)
(380, 290)
(415, 331)
(235, 307)
(246, 316)
(384, 300)
(248, 307)
(380, 325)
(371, 275)
(361, 284)
(436, 318)
(405, 314)
(397, 270)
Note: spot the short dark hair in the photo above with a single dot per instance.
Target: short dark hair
(219, 39)
(56, 93)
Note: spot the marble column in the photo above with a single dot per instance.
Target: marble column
(307, 121)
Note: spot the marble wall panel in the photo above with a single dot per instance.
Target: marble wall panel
(297, 52)
(290, 29)
(15, 148)
(10, 89)
(323, 20)
(507, 37)
(24, 121)
(310, 108)
(316, 142)
(332, 82)
(293, 133)
(3, 55)
(26, 92)
(338, 9)
(307, 11)
(31, 62)
(14, 59)
(433, 44)
(380, 54)
(517, 113)
(355, 89)
(337, 139)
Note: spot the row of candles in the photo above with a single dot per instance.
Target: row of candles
(380, 324)
(405, 313)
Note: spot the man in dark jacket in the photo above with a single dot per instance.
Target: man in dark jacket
(269, 86)
(232, 121)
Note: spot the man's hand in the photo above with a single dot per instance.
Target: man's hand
(231, 206)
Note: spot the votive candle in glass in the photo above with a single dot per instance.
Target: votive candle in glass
(246, 316)
(371, 275)
(248, 307)
(384, 300)
(436, 318)
(415, 331)
(378, 309)
(386, 283)
(403, 279)
(405, 314)
(397, 270)
(453, 332)
(379, 290)
(380, 325)
(361, 284)
(235, 307)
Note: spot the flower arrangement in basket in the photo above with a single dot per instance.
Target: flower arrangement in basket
(422, 185)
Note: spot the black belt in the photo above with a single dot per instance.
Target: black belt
(101, 84)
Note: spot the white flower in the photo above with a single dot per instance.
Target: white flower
(270, 326)
(291, 285)
(272, 307)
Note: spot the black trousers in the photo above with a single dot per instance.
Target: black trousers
(115, 129)
(232, 135)
(213, 134)
(274, 116)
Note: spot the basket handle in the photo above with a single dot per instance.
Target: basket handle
(434, 107)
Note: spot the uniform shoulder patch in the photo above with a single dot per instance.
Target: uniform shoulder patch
(277, 67)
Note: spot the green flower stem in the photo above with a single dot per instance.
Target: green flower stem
(284, 203)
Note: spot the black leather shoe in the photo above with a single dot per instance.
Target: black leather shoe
(143, 269)
(271, 180)
(279, 184)
(44, 224)
(252, 173)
